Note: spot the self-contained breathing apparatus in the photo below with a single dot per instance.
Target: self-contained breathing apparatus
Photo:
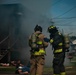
(35, 43)
(57, 42)
(58, 38)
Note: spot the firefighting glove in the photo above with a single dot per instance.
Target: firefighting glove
(32, 51)
(37, 49)
(67, 50)
(46, 39)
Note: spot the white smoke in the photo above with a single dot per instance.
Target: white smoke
(33, 12)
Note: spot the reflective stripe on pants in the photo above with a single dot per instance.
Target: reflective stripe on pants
(63, 73)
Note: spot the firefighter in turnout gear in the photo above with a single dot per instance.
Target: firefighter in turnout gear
(57, 42)
(38, 45)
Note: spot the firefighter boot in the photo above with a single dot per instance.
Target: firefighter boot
(63, 73)
(56, 74)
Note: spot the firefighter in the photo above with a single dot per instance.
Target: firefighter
(57, 42)
(38, 45)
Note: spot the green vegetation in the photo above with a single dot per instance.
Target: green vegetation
(10, 69)
(73, 61)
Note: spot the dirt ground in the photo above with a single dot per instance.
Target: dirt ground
(71, 70)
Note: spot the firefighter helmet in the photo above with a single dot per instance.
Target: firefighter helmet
(38, 28)
(52, 28)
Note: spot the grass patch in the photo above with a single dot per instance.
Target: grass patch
(48, 69)
(9, 69)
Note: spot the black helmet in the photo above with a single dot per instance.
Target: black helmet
(38, 28)
(52, 29)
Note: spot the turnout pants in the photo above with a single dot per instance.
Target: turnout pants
(37, 64)
(58, 64)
